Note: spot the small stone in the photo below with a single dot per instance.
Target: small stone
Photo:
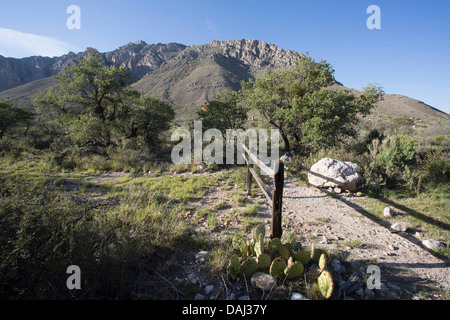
(202, 256)
(433, 244)
(418, 235)
(360, 292)
(192, 278)
(391, 295)
(338, 190)
(359, 194)
(209, 289)
(199, 296)
(335, 262)
(298, 296)
(369, 293)
(399, 227)
(263, 281)
(388, 212)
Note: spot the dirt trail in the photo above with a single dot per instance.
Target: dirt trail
(335, 223)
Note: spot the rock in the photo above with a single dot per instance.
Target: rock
(286, 158)
(298, 296)
(393, 287)
(369, 293)
(337, 267)
(199, 296)
(335, 262)
(359, 194)
(330, 173)
(263, 281)
(433, 244)
(337, 190)
(399, 227)
(388, 212)
(209, 289)
(192, 278)
(351, 285)
(340, 270)
(360, 292)
(202, 256)
(391, 295)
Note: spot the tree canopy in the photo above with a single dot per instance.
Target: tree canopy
(98, 109)
(302, 105)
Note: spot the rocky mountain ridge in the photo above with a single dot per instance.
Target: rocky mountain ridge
(142, 58)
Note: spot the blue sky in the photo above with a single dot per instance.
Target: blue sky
(409, 55)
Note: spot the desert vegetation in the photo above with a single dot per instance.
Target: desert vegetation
(86, 179)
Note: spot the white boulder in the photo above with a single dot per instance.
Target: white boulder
(331, 173)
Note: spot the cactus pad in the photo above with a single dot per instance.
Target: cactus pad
(284, 252)
(275, 242)
(323, 261)
(264, 261)
(326, 285)
(277, 267)
(302, 256)
(293, 270)
(248, 267)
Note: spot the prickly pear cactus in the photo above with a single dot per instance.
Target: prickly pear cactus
(316, 253)
(302, 256)
(259, 230)
(277, 267)
(293, 270)
(275, 242)
(259, 245)
(247, 249)
(264, 261)
(326, 285)
(248, 267)
(238, 242)
(323, 261)
(283, 251)
(233, 267)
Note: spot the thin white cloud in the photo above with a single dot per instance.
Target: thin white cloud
(18, 45)
(211, 26)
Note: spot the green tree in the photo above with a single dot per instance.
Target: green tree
(98, 109)
(151, 116)
(302, 105)
(12, 116)
(224, 112)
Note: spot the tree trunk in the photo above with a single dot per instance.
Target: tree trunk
(286, 141)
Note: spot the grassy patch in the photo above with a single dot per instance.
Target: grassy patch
(114, 239)
(428, 212)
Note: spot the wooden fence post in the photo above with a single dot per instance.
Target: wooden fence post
(249, 180)
(277, 200)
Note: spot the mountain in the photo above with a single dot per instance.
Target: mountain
(198, 73)
(180, 74)
(189, 76)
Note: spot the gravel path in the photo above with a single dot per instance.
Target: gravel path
(335, 223)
